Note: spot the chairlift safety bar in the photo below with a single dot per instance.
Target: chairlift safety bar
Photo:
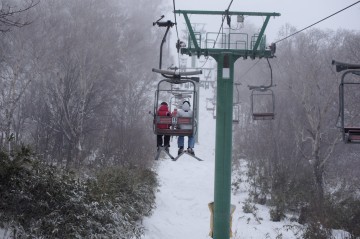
(182, 73)
(340, 66)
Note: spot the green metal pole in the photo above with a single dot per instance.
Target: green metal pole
(223, 146)
(224, 108)
(197, 112)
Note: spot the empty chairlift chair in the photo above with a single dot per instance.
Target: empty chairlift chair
(263, 100)
(262, 104)
(349, 109)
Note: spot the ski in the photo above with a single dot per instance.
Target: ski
(162, 149)
(185, 152)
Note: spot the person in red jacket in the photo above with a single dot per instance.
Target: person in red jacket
(163, 140)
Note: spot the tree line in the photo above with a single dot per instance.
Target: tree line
(298, 162)
(75, 135)
(75, 80)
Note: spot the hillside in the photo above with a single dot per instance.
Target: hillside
(186, 188)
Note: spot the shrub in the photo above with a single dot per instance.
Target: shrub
(344, 214)
(249, 207)
(277, 214)
(132, 188)
(315, 230)
(37, 200)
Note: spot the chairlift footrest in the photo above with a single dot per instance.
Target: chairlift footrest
(263, 116)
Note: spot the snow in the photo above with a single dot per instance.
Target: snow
(2, 233)
(187, 187)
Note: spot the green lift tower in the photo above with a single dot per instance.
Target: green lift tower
(231, 47)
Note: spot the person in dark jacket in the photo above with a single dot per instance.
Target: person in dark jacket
(163, 140)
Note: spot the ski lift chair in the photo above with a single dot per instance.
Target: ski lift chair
(163, 92)
(350, 134)
(263, 100)
(236, 113)
(236, 105)
(262, 104)
(177, 78)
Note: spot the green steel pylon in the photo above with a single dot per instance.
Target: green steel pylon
(225, 57)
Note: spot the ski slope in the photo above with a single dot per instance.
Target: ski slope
(187, 186)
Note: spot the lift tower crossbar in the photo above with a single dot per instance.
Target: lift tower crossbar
(225, 57)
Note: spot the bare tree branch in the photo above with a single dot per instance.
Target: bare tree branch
(10, 16)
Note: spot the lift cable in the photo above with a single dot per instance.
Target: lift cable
(222, 22)
(243, 75)
(177, 34)
(221, 28)
(299, 32)
(317, 22)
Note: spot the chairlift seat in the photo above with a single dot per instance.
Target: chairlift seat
(263, 116)
(175, 132)
(352, 134)
(168, 88)
(236, 113)
(173, 122)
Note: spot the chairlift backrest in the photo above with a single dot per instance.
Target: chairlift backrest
(262, 104)
(263, 100)
(350, 132)
(165, 92)
(236, 113)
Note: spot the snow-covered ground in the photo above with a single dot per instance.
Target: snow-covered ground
(187, 186)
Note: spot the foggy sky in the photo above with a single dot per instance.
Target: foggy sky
(299, 14)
